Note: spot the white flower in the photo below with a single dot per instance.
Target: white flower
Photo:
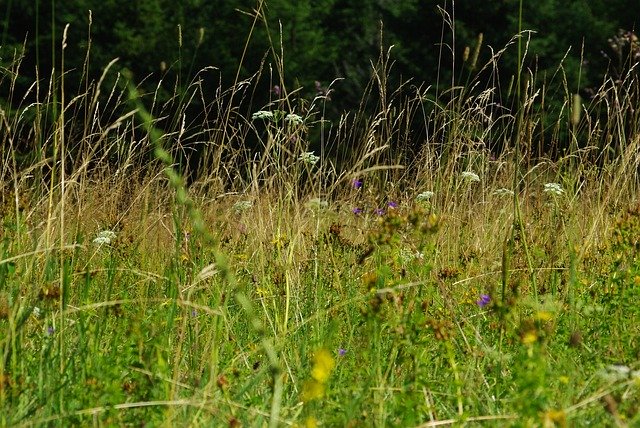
(425, 196)
(294, 118)
(36, 312)
(105, 237)
(262, 114)
(553, 188)
(317, 204)
(470, 176)
(503, 192)
(309, 157)
(240, 206)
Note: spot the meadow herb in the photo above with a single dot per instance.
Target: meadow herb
(470, 176)
(484, 300)
(553, 189)
(424, 196)
(309, 158)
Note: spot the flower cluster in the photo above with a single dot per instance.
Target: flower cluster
(105, 237)
(470, 176)
(309, 158)
(554, 189)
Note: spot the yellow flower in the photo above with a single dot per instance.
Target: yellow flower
(529, 337)
(323, 363)
(312, 390)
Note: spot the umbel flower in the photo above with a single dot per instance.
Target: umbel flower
(554, 189)
(105, 237)
(470, 176)
(424, 196)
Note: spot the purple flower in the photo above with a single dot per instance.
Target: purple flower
(392, 204)
(276, 90)
(50, 330)
(356, 183)
(342, 352)
(379, 211)
(357, 211)
(483, 300)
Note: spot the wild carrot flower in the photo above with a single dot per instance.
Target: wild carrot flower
(293, 118)
(424, 196)
(309, 158)
(484, 300)
(105, 237)
(262, 114)
(554, 189)
(470, 176)
(503, 192)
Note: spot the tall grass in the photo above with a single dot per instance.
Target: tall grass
(396, 282)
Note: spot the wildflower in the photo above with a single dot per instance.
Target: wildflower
(554, 189)
(36, 312)
(503, 192)
(424, 196)
(484, 300)
(342, 352)
(392, 205)
(356, 183)
(470, 176)
(276, 90)
(262, 114)
(309, 158)
(294, 119)
(105, 237)
(50, 330)
(240, 206)
(323, 364)
(379, 211)
(357, 211)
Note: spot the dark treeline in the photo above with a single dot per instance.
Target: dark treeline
(317, 41)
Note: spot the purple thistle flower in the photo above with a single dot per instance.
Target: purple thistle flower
(342, 352)
(357, 211)
(483, 300)
(379, 211)
(356, 183)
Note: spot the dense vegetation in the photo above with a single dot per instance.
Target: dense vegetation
(416, 260)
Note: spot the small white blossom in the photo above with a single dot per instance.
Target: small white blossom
(425, 196)
(553, 188)
(105, 237)
(36, 312)
(294, 118)
(470, 176)
(309, 157)
(503, 192)
(241, 206)
(317, 204)
(262, 114)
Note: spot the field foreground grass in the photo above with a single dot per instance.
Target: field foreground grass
(395, 286)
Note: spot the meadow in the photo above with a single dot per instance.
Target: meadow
(334, 273)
